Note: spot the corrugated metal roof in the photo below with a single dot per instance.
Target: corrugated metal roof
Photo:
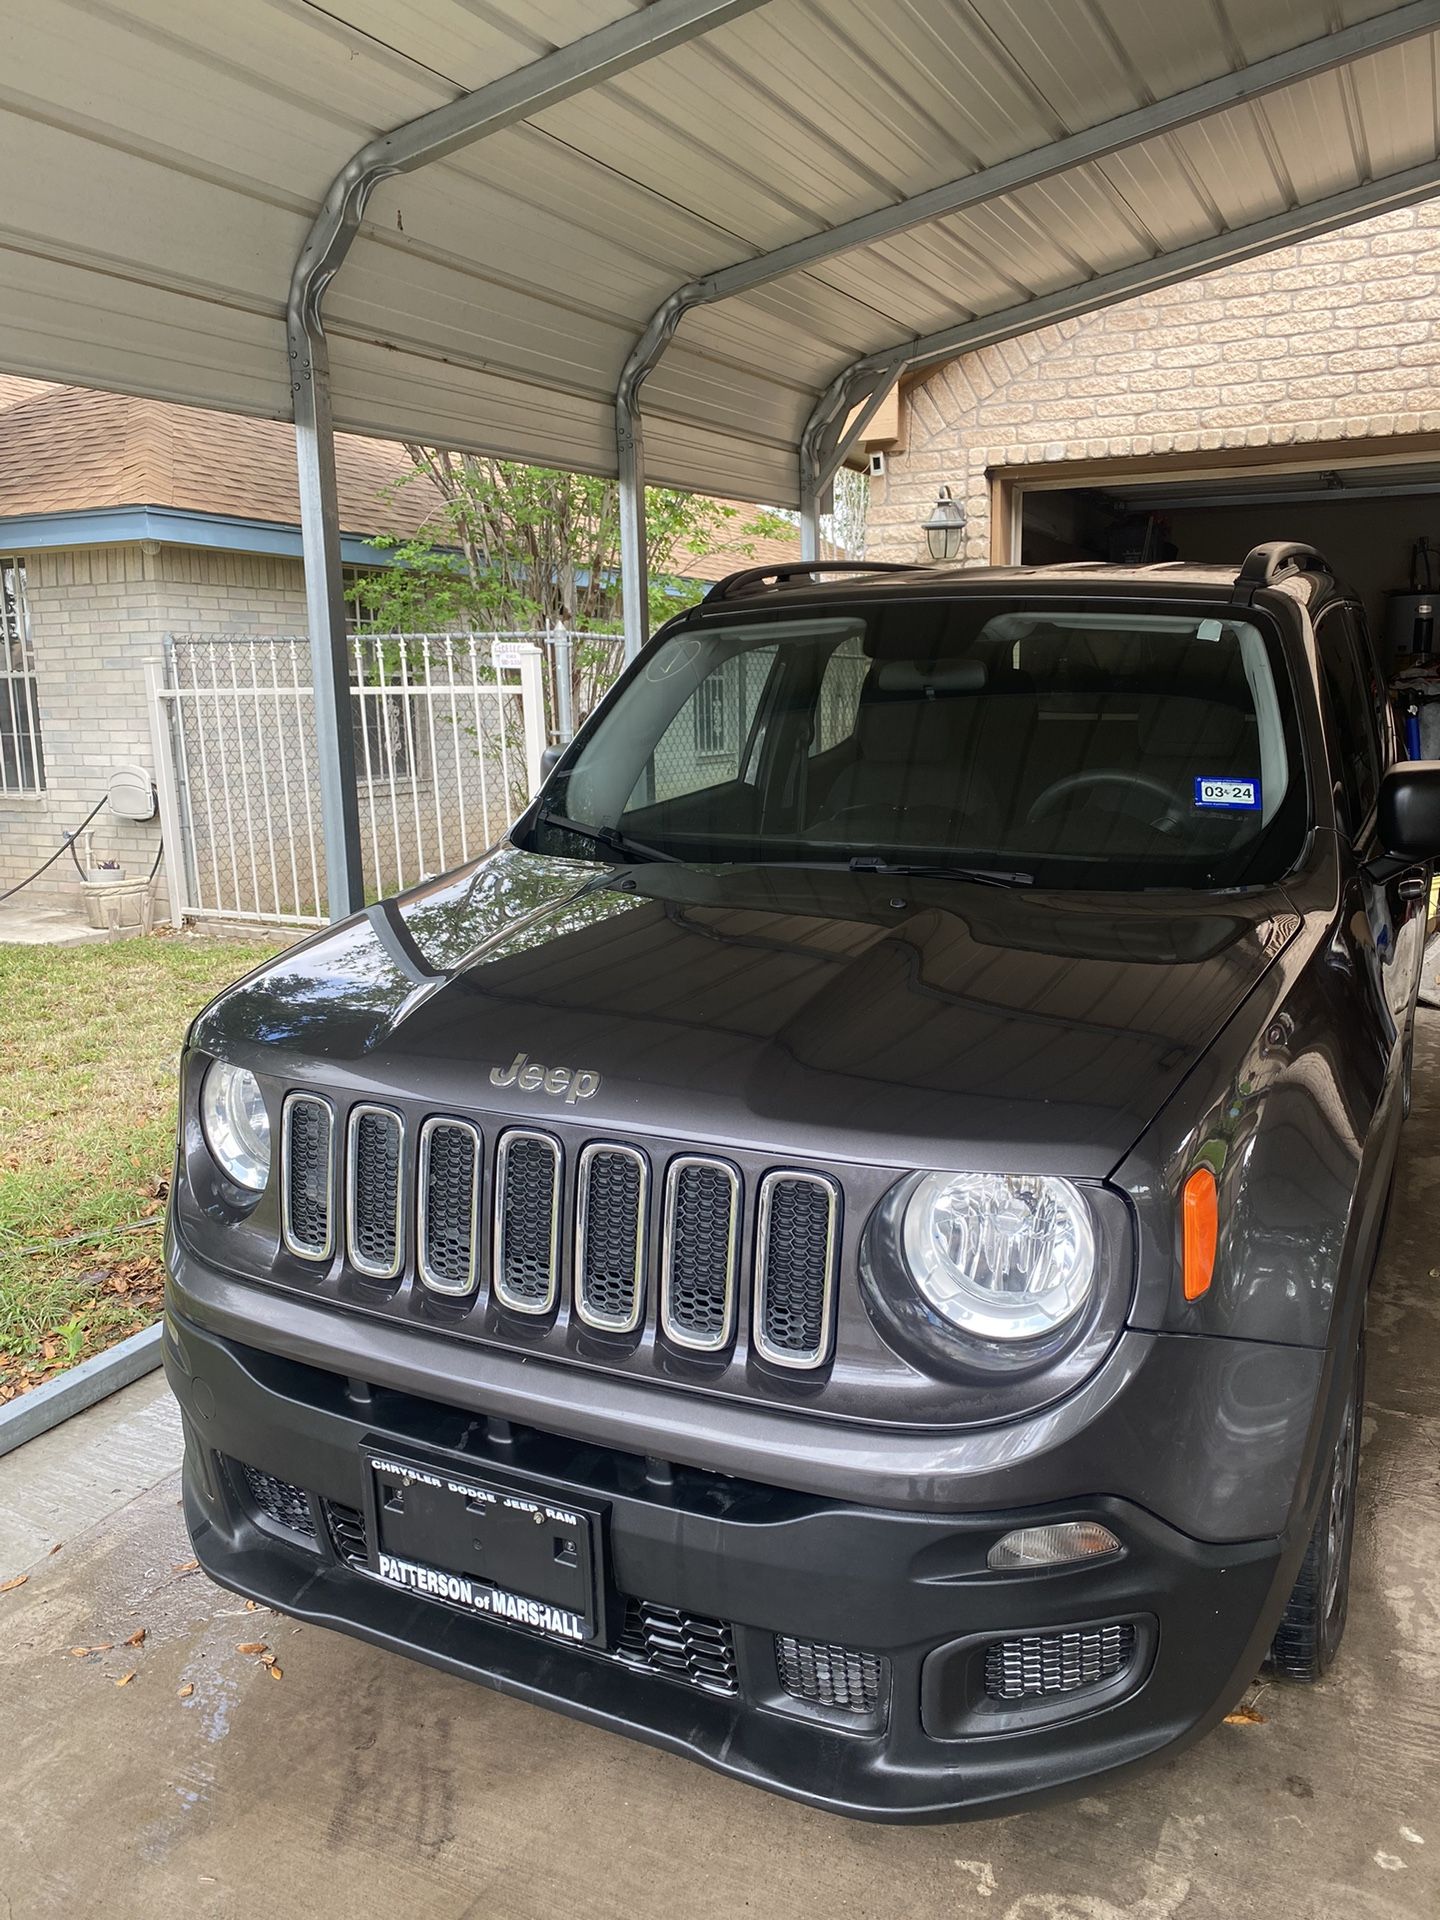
(165, 165)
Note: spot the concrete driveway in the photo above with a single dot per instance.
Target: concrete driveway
(359, 1784)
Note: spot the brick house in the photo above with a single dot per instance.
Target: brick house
(1294, 396)
(121, 521)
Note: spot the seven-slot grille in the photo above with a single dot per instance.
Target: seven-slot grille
(1048, 1663)
(610, 1238)
(375, 1240)
(449, 1209)
(527, 1221)
(796, 1240)
(307, 1176)
(702, 1247)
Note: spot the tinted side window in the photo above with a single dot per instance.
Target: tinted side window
(1351, 692)
(705, 744)
(839, 700)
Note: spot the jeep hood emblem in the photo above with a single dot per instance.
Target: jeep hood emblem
(573, 1083)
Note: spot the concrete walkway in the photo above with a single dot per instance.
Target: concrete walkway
(25, 923)
(360, 1784)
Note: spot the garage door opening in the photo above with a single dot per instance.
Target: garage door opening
(1378, 525)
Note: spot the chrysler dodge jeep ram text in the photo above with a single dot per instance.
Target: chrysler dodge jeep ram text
(841, 1247)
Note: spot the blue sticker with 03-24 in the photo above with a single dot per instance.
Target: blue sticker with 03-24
(1232, 794)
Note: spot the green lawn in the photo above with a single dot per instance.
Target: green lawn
(89, 1040)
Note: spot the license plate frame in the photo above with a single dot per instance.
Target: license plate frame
(493, 1545)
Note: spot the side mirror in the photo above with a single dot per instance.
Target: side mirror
(549, 760)
(1408, 810)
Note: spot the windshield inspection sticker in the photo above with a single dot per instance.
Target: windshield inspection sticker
(1244, 794)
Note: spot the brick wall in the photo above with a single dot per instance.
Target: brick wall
(96, 613)
(1333, 340)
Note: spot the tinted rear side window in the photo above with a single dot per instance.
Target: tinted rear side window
(1351, 696)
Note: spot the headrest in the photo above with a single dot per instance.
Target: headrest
(949, 676)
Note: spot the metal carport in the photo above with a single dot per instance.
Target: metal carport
(757, 213)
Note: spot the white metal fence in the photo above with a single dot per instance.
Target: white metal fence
(449, 731)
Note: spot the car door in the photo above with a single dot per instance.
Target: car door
(1363, 746)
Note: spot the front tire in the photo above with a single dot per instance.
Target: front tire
(1309, 1635)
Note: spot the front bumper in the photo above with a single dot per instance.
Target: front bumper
(910, 1587)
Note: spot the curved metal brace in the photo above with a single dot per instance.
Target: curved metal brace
(584, 63)
(834, 429)
(630, 461)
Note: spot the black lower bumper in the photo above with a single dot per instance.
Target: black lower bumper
(911, 1589)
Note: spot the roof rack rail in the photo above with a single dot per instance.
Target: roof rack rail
(1271, 561)
(735, 583)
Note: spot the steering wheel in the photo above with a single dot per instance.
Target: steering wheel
(1171, 816)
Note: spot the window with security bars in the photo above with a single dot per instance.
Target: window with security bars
(22, 763)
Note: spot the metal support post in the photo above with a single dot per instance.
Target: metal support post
(564, 685)
(634, 539)
(325, 611)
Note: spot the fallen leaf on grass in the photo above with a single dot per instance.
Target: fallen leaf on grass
(126, 1678)
(1245, 1717)
(137, 1639)
(9, 1586)
(251, 1646)
(186, 1691)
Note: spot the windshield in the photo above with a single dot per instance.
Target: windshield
(1044, 743)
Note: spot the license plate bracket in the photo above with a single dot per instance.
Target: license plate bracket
(488, 1544)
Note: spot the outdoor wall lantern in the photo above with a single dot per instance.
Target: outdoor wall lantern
(945, 529)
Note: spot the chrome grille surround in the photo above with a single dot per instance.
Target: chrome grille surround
(369, 1215)
(527, 1242)
(696, 1313)
(309, 1230)
(447, 1254)
(799, 1301)
(621, 1277)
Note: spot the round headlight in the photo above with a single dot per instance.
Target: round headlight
(1002, 1256)
(237, 1127)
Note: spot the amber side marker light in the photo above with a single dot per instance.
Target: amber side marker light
(1199, 1211)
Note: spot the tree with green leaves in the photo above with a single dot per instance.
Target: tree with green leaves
(521, 548)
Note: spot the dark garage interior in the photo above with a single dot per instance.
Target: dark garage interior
(1378, 525)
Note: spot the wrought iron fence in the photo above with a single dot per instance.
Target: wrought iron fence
(449, 729)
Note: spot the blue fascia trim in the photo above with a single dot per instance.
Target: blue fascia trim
(176, 527)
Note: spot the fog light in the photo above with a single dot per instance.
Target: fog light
(1054, 1546)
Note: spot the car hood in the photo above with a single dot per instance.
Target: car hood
(838, 1016)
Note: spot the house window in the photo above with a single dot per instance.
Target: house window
(22, 764)
(358, 618)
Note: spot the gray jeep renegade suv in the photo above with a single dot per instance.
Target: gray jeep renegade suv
(840, 1248)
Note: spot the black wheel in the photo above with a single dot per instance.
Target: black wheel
(1408, 1072)
(1308, 1638)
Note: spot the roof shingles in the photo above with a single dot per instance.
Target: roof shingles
(73, 450)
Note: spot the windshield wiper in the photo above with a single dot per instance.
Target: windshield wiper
(982, 876)
(610, 838)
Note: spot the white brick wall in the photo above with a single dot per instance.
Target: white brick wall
(1333, 340)
(96, 614)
